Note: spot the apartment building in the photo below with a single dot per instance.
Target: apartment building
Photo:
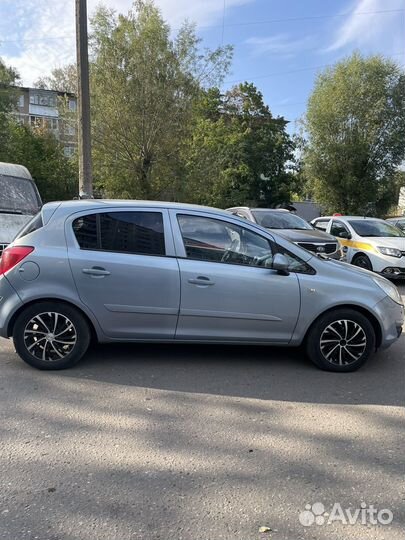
(37, 107)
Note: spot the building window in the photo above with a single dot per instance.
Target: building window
(71, 130)
(72, 105)
(52, 124)
(36, 121)
(68, 151)
(34, 99)
(21, 101)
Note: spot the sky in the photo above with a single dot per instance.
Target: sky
(279, 45)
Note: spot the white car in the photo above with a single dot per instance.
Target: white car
(367, 242)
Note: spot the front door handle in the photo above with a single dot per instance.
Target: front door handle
(96, 271)
(202, 281)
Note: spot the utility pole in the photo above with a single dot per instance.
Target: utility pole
(83, 95)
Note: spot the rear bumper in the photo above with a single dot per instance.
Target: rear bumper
(9, 303)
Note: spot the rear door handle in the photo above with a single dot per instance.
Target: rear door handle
(201, 280)
(96, 271)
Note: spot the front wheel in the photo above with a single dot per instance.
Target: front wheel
(51, 335)
(362, 261)
(341, 340)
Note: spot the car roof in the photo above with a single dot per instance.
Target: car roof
(258, 209)
(349, 218)
(99, 203)
(357, 218)
(17, 171)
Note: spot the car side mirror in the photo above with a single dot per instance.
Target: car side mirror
(280, 263)
(345, 235)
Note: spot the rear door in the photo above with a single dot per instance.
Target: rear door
(228, 290)
(125, 272)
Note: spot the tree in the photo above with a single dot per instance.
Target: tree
(239, 153)
(38, 150)
(144, 85)
(355, 125)
(8, 78)
(62, 79)
(55, 175)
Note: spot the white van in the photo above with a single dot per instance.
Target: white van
(19, 201)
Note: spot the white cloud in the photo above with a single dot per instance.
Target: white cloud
(36, 19)
(367, 26)
(280, 44)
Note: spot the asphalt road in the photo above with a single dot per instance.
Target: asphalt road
(198, 443)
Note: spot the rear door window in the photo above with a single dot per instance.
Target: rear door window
(124, 232)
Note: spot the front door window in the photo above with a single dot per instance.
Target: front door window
(213, 240)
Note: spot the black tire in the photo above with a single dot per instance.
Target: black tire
(40, 348)
(362, 261)
(323, 336)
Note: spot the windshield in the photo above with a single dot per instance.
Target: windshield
(373, 227)
(280, 220)
(17, 196)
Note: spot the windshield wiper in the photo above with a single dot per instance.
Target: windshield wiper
(11, 212)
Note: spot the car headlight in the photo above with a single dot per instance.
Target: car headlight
(392, 252)
(389, 289)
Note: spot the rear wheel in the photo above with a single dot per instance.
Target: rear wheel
(51, 335)
(341, 340)
(362, 261)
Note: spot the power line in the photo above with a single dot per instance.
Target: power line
(224, 25)
(280, 73)
(69, 36)
(305, 18)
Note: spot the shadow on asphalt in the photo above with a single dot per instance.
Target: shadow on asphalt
(258, 372)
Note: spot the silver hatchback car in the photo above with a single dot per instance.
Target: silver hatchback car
(164, 272)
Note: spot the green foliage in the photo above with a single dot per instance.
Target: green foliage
(239, 154)
(8, 78)
(54, 174)
(63, 79)
(356, 130)
(144, 87)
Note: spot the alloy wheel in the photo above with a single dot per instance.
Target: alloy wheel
(50, 336)
(343, 342)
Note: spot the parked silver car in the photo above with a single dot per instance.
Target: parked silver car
(398, 222)
(152, 271)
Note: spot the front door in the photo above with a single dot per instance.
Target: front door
(228, 290)
(122, 272)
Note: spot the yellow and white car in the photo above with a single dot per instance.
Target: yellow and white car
(370, 243)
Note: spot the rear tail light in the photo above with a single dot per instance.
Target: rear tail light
(12, 256)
